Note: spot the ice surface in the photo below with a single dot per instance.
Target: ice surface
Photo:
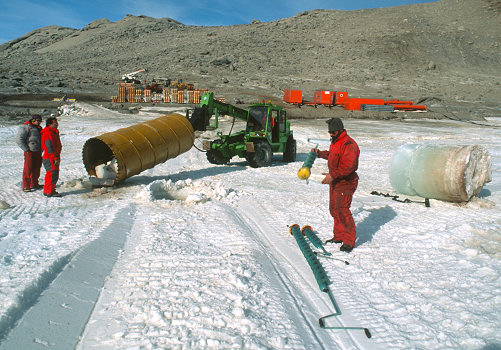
(208, 261)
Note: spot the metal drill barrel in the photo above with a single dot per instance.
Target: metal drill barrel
(317, 268)
(139, 147)
(308, 232)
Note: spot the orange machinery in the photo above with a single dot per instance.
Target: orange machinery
(340, 98)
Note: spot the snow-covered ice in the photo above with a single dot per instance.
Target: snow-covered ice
(191, 255)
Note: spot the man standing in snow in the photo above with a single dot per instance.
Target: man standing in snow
(51, 145)
(342, 161)
(29, 139)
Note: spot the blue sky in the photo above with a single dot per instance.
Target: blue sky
(18, 17)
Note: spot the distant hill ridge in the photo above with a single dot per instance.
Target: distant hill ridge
(421, 49)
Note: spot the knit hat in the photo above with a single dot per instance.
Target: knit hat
(37, 117)
(335, 124)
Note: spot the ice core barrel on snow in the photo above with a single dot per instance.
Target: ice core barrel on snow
(129, 151)
(450, 173)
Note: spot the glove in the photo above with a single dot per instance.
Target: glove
(327, 179)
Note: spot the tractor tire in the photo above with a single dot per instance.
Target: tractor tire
(261, 157)
(290, 150)
(215, 157)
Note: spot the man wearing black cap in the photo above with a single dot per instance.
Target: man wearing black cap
(29, 140)
(342, 161)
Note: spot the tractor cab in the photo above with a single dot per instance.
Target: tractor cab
(258, 118)
(266, 120)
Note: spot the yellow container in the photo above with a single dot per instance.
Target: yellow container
(139, 147)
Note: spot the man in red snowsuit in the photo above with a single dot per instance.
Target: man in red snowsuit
(51, 158)
(342, 161)
(29, 139)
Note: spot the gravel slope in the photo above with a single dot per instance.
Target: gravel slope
(445, 54)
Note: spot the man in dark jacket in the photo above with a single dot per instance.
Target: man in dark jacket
(51, 145)
(29, 139)
(342, 161)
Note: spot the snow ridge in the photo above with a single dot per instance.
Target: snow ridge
(66, 293)
(29, 297)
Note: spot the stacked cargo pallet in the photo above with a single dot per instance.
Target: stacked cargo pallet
(127, 92)
(122, 91)
(131, 93)
(156, 97)
(173, 95)
(180, 96)
(147, 95)
(190, 96)
(165, 95)
(138, 97)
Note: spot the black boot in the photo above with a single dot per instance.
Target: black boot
(332, 240)
(346, 248)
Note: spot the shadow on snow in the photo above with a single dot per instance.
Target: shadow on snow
(372, 223)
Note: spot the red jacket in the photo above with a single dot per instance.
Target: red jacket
(51, 144)
(342, 158)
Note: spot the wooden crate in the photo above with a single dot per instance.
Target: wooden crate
(147, 95)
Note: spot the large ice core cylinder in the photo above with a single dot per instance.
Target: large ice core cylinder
(128, 151)
(449, 173)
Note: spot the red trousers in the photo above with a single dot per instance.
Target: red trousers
(51, 175)
(340, 198)
(31, 170)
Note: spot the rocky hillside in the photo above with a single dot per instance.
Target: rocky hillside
(445, 53)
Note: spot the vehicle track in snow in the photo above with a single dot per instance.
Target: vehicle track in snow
(297, 280)
(51, 231)
(200, 285)
(277, 274)
(53, 310)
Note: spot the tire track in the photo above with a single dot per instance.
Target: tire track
(50, 232)
(57, 308)
(262, 229)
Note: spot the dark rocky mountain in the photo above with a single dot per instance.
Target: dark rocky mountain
(445, 53)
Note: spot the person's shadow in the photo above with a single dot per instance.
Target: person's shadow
(371, 224)
(492, 347)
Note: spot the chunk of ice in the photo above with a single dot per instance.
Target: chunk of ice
(450, 173)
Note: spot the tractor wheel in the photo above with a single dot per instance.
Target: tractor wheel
(215, 157)
(261, 157)
(290, 150)
(250, 159)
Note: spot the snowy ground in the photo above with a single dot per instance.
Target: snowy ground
(190, 255)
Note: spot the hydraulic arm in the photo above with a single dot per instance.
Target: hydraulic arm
(200, 119)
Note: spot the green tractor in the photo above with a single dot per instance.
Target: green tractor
(267, 131)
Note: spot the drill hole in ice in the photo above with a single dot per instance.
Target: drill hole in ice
(186, 191)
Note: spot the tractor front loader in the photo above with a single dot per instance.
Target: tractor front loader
(267, 131)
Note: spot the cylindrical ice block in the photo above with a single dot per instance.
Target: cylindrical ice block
(449, 173)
